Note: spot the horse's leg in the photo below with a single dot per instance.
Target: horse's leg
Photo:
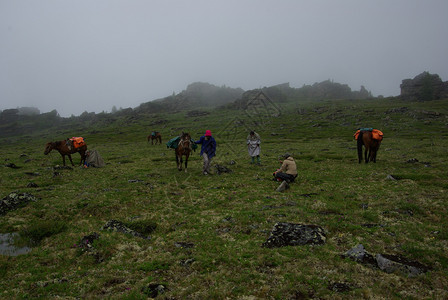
(181, 162)
(359, 144)
(63, 159)
(186, 162)
(374, 152)
(70, 157)
(366, 154)
(83, 158)
(359, 153)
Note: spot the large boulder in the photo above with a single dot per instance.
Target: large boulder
(290, 234)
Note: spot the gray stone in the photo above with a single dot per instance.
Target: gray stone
(386, 262)
(394, 263)
(359, 254)
(390, 177)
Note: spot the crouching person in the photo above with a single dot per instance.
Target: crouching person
(287, 172)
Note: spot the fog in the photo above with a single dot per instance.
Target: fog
(84, 55)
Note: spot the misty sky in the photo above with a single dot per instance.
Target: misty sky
(91, 55)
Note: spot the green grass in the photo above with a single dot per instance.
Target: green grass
(227, 217)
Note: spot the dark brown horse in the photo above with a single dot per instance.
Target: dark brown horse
(183, 149)
(66, 147)
(371, 146)
(155, 136)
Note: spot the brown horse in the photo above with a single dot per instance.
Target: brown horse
(65, 147)
(183, 149)
(371, 146)
(155, 136)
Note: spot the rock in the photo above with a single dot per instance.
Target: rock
(412, 160)
(15, 200)
(86, 243)
(386, 262)
(339, 287)
(397, 110)
(32, 185)
(394, 263)
(135, 180)
(390, 177)
(308, 195)
(423, 87)
(32, 173)
(197, 113)
(58, 167)
(183, 245)
(359, 254)
(221, 169)
(364, 205)
(186, 262)
(12, 166)
(154, 289)
(290, 234)
(114, 225)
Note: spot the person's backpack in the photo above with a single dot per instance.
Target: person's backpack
(94, 159)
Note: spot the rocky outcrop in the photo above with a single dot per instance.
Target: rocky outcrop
(15, 200)
(424, 87)
(290, 234)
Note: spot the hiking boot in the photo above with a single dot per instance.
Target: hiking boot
(282, 187)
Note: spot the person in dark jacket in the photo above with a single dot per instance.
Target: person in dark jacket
(208, 150)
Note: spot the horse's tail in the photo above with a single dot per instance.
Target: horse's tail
(360, 143)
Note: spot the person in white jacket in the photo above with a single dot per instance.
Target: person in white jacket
(253, 146)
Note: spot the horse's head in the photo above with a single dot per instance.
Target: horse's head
(49, 147)
(185, 140)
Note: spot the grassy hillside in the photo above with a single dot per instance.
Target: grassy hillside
(207, 231)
